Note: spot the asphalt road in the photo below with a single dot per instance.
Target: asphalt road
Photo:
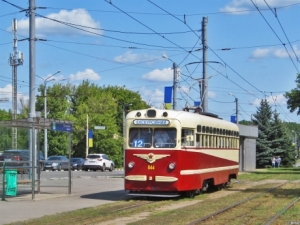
(45, 175)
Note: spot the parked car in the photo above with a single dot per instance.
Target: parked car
(20, 158)
(57, 162)
(77, 163)
(98, 162)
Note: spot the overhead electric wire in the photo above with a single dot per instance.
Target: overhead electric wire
(275, 14)
(149, 28)
(161, 14)
(275, 35)
(221, 59)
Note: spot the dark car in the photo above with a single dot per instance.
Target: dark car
(19, 159)
(77, 163)
(57, 162)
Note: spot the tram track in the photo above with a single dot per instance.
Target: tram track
(242, 216)
(107, 212)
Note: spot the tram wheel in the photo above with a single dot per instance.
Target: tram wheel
(190, 194)
(220, 187)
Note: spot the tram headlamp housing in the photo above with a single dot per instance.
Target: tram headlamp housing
(165, 114)
(131, 165)
(172, 166)
(138, 114)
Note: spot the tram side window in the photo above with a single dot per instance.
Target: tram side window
(140, 137)
(198, 140)
(187, 137)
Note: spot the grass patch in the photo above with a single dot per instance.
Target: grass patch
(108, 212)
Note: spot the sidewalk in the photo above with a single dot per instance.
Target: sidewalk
(86, 192)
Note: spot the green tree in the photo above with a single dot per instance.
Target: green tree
(293, 97)
(263, 119)
(281, 144)
(58, 106)
(101, 108)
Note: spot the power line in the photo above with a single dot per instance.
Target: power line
(275, 34)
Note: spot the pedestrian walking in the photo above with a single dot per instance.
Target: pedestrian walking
(273, 162)
(278, 160)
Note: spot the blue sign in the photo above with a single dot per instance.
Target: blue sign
(197, 103)
(66, 127)
(233, 119)
(168, 95)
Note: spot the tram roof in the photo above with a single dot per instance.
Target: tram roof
(190, 118)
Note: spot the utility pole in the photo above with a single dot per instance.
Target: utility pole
(32, 88)
(87, 136)
(175, 81)
(237, 110)
(204, 88)
(15, 59)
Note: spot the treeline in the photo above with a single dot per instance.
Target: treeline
(104, 107)
(275, 138)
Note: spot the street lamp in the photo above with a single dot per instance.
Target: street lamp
(45, 110)
(236, 107)
(175, 81)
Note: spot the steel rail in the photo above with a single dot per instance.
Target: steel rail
(233, 205)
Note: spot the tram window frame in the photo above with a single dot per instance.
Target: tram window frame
(203, 129)
(187, 137)
(171, 141)
(198, 140)
(207, 129)
(139, 135)
(198, 128)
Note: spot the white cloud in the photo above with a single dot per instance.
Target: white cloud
(84, 75)
(272, 100)
(241, 6)
(211, 94)
(46, 27)
(260, 53)
(129, 57)
(6, 92)
(154, 98)
(277, 53)
(159, 75)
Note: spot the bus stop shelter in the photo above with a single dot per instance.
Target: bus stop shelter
(36, 124)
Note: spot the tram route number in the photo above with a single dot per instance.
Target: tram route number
(151, 167)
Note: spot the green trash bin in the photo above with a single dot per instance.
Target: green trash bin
(11, 182)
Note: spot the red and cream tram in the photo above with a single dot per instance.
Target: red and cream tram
(169, 152)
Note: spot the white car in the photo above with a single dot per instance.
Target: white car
(98, 162)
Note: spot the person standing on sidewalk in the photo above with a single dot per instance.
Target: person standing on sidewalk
(273, 162)
(278, 160)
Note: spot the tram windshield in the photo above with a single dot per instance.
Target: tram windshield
(148, 137)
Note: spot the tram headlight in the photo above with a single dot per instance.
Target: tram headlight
(172, 166)
(131, 165)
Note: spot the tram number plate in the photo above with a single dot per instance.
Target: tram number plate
(151, 167)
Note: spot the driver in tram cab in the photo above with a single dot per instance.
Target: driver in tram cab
(161, 138)
(146, 135)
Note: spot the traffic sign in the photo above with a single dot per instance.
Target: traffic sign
(99, 127)
(65, 127)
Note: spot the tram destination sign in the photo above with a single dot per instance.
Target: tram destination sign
(65, 127)
(151, 122)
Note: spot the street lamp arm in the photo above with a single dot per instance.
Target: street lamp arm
(47, 79)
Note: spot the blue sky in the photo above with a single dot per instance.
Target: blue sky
(122, 42)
